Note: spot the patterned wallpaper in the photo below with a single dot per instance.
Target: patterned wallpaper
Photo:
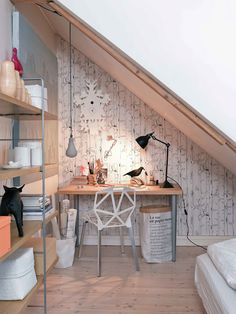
(103, 109)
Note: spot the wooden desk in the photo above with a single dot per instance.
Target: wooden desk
(147, 190)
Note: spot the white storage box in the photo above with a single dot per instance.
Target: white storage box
(17, 275)
(155, 223)
(35, 93)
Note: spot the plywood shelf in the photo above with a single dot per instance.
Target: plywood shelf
(17, 307)
(30, 228)
(24, 171)
(10, 106)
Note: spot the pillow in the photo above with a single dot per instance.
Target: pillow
(223, 255)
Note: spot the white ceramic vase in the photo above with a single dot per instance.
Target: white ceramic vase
(8, 79)
(18, 85)
(26, 96)
(23, 95)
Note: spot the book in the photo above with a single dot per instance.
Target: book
(35, 201)
(83, 180)
(38, 217)
(36, 210)
(36, 207)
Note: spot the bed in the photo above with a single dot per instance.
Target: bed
(216, 295)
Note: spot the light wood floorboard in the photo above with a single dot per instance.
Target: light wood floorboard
(157, 288)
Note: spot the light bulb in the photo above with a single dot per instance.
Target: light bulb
(71, 150)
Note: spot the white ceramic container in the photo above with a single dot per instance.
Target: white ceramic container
(22, 155)
(35, 93)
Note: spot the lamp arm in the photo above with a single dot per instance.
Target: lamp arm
(156, 139)
(167, 154)
(167, 160)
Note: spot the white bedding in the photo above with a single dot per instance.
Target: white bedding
(216, 295)
(223, 256)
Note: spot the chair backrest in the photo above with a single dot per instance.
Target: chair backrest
(114, 207)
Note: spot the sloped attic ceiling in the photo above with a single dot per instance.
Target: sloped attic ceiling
(145, 86)
(186, 45)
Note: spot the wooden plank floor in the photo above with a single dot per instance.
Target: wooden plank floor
(157, 288)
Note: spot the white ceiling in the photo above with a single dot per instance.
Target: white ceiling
(187, 45)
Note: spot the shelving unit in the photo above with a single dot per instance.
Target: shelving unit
(24, 171)
(10, 106)
(30, 228)
(15, 109)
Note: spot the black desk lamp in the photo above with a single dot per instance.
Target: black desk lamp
(143, 141)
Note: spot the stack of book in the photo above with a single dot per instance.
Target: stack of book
(33, 207)
(79, 180)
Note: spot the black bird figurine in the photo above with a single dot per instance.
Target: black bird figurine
(135, 172)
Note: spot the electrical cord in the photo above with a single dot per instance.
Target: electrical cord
(47, 9)
(186, 217)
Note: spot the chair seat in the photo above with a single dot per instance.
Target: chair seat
(103, 219)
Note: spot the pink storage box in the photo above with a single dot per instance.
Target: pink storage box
(5, 235)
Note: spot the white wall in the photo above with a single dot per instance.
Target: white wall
(39, 23)
(5, 29)
(188, 45)
(6, 124)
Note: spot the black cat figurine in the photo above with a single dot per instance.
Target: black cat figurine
(12, 205)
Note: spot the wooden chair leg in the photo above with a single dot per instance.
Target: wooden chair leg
(99, 253)
(131, 235)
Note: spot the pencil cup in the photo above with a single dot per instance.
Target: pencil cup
(92, 179)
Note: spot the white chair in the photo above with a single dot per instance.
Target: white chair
(111, 212)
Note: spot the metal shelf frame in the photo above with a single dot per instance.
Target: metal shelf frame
(18, 110)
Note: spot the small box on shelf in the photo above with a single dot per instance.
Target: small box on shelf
(5, 235)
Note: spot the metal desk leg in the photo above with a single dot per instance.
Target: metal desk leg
(76, 204)
(173, 221)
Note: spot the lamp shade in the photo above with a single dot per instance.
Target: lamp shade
(143, 140)
(71, 150)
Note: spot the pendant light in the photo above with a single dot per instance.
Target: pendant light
(71, 150)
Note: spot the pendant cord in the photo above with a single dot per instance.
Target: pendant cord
(70, 81)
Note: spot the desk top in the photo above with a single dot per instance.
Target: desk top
(92, 189)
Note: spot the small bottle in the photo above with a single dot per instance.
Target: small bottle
(151, 180)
